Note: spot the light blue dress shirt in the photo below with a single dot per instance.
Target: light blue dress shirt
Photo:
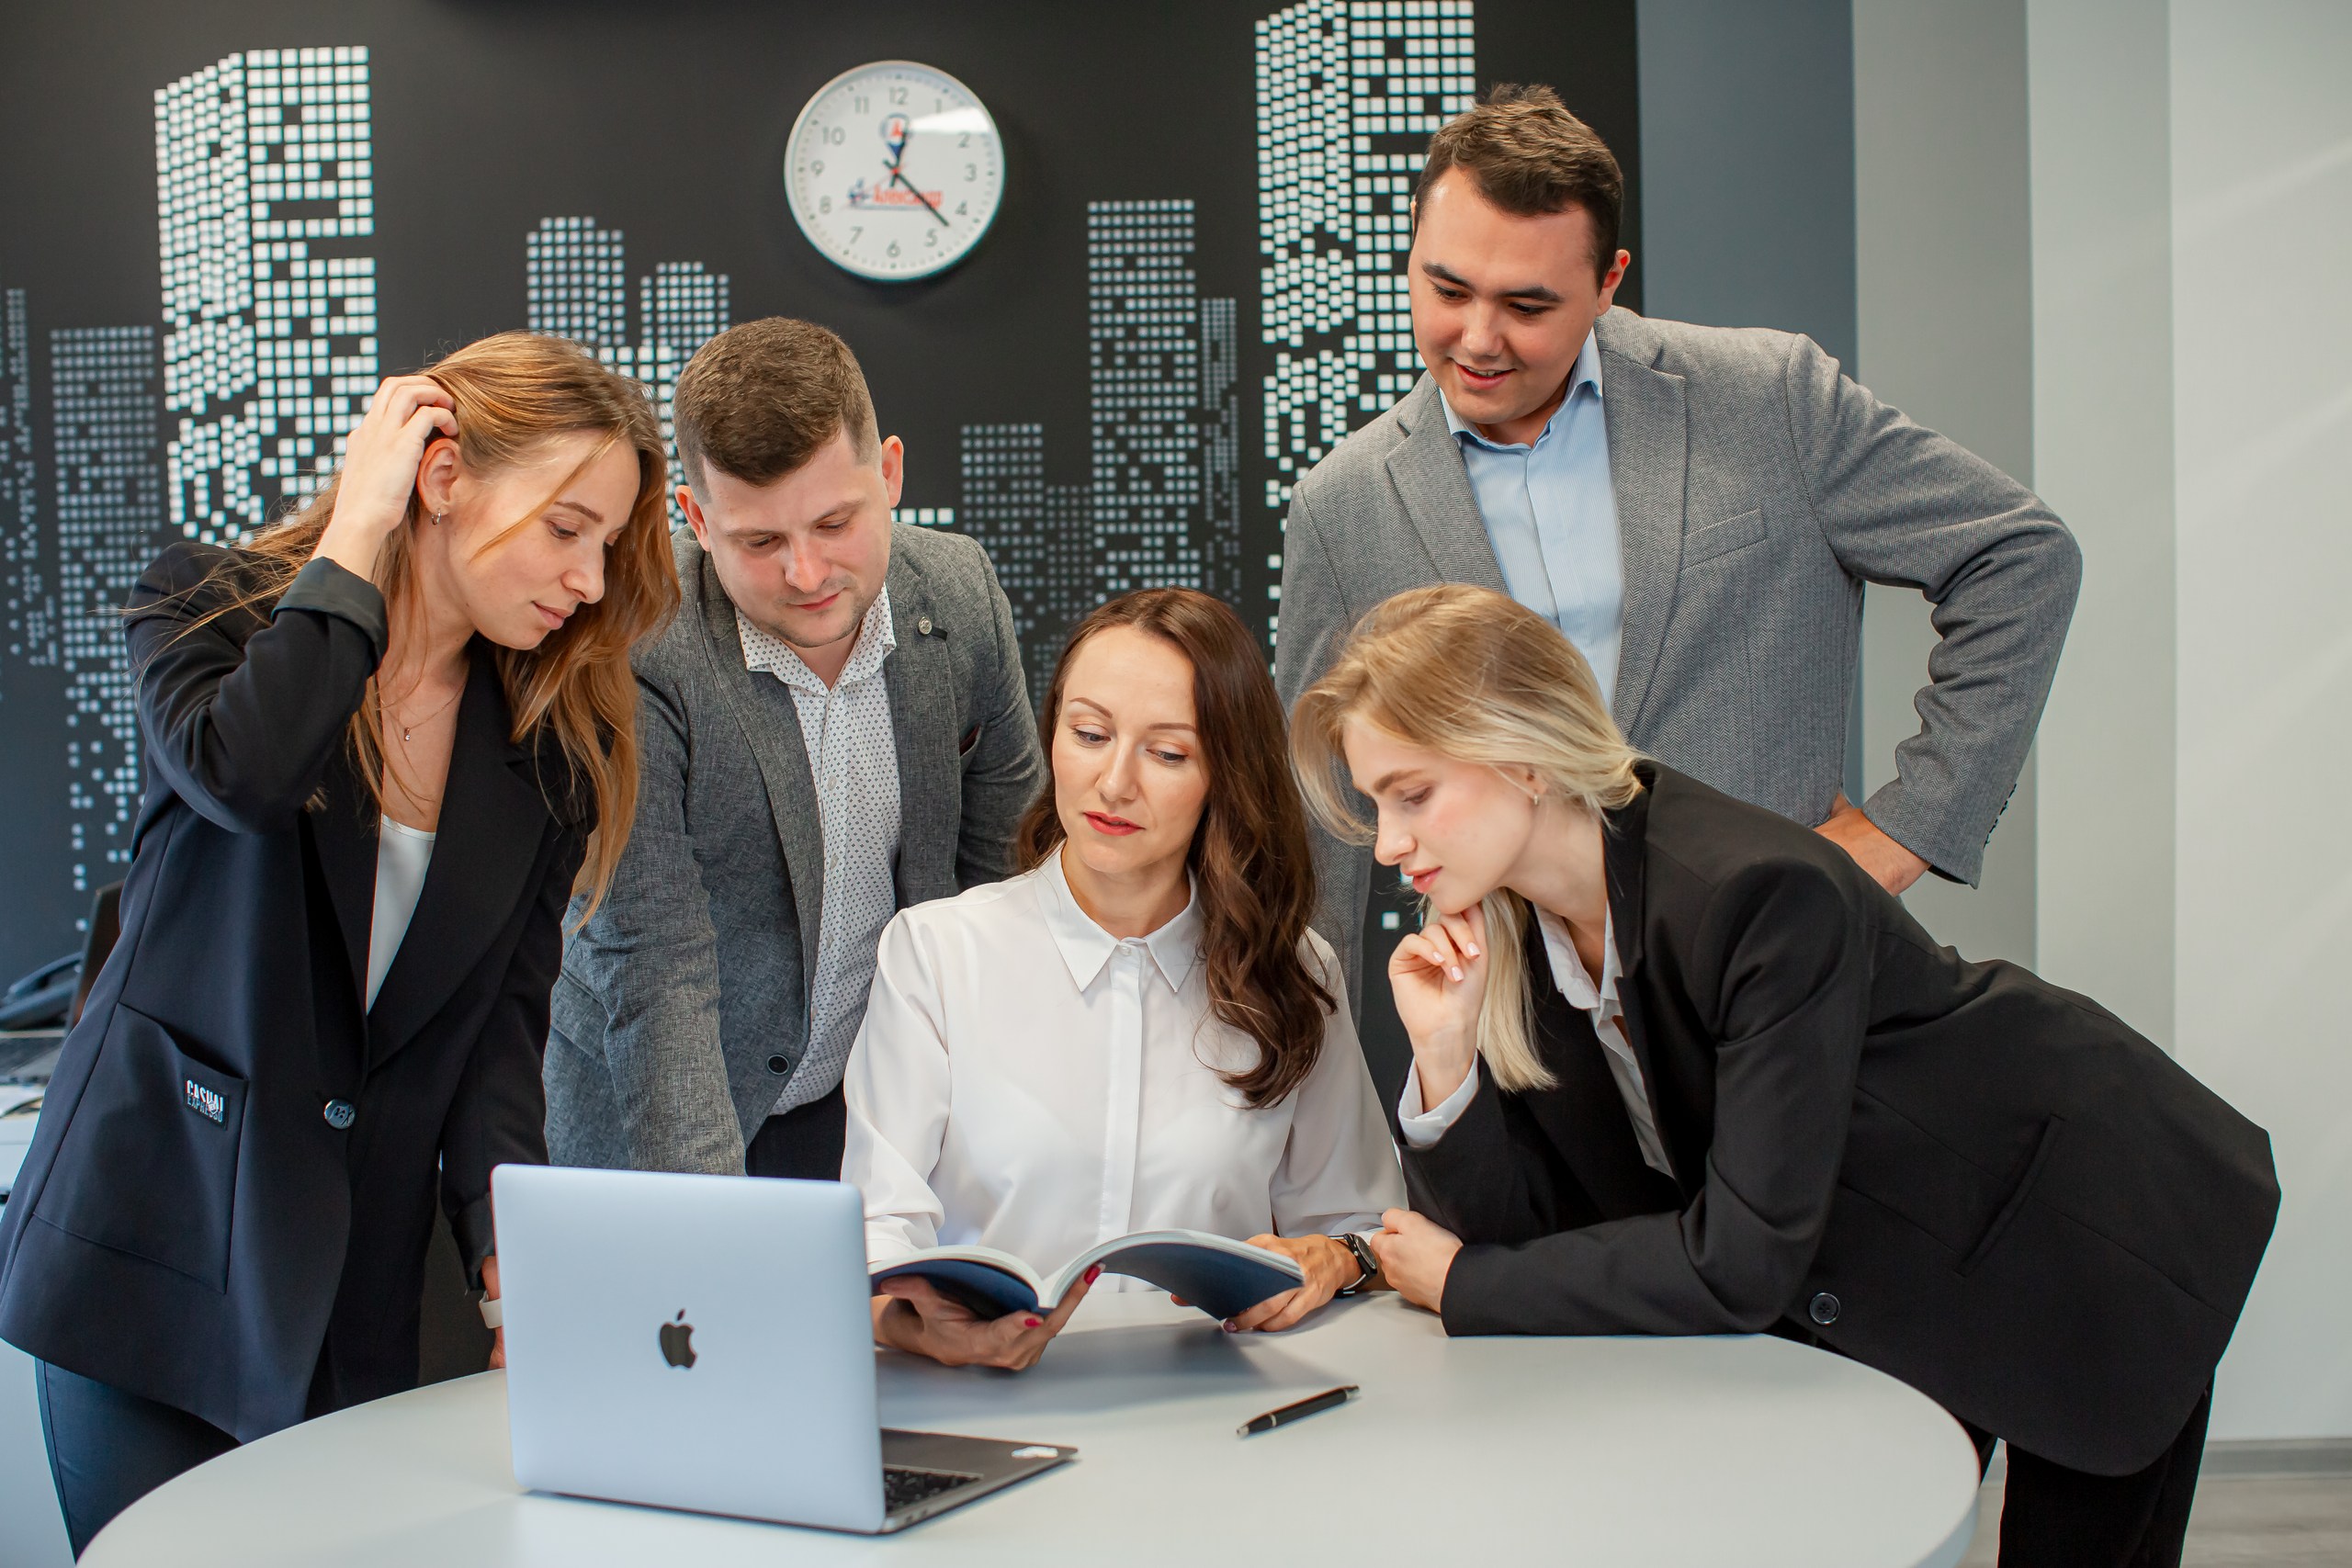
(1552, 518)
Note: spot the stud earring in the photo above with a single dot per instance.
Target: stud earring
(436, 518)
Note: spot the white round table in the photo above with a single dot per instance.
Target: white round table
(1747, 1451)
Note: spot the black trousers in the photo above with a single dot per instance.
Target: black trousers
(2057, 1518)
(109, 1449)
(804, 1142)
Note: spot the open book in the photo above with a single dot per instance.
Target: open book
(1219, 1276)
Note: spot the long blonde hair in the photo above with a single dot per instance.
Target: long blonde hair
(1473, 675)
(514, 392)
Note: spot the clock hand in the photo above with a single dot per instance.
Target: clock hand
(917, 194)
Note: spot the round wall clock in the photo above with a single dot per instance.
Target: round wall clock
(894, 171)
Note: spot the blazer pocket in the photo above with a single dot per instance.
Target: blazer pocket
(1722, 538)
(149, 1164)
(2015, 1203)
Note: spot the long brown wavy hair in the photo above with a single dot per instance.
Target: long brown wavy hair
(1251, 876)
(514, 392)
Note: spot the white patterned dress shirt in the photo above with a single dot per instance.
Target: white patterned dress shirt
(854, 762)
(1027, 1081)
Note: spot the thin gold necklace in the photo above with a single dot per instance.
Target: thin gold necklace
(428, 718)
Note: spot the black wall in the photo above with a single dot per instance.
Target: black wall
(668, 122)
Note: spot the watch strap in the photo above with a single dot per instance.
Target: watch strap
(1365, 1260)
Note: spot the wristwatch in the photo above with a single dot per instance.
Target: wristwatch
(1365, 1260)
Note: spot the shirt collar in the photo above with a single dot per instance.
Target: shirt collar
(876, 640)
(1087, 947)
(1567, 969)
(1586, 373)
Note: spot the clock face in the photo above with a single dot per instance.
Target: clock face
(893, 170)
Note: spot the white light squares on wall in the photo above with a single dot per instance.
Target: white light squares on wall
(28, 623)
(264, 183)
(576, 282)
(104, 416)
(1349, 92)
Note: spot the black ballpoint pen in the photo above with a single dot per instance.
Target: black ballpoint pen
(1290, 1412)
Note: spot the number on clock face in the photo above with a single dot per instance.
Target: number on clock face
(894, 171)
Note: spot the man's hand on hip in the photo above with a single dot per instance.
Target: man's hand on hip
(1890, 865)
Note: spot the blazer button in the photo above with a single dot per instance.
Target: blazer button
(341, 1113)
(1824, 1309)
(779, 1066)
(923, 626)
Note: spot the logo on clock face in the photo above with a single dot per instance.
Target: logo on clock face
(678, 1341)
(894, 171)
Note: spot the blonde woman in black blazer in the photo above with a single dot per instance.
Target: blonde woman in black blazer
(221, 1227)
(1774, 1103)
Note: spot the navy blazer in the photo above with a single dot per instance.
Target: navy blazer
(1954, 1172)
(227, 1204)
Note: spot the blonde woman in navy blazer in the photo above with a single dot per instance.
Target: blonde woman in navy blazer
(1681, 1066)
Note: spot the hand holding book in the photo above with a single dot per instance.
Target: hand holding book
(911, 1314)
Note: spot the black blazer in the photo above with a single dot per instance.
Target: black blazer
(227, 1204)
(1954, 1172)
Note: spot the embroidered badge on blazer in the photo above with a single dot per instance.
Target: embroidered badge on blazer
(208, 1103)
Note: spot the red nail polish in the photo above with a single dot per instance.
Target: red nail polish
(1094, 1273)
(1032, 1323)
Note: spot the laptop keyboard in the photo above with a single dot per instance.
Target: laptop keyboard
(903, 1486)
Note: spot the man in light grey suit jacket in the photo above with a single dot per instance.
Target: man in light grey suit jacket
(835, 727)
(1698, 507)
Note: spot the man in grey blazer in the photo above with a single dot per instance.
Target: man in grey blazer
(1697, 508)
(835, 727)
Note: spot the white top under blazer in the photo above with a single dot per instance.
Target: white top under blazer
(1027, 1081)
(403, 855)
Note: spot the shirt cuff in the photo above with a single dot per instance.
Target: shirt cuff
(326, 587)
(1421, 1127)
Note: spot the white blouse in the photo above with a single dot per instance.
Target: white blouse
(1024, 1080)
(403, 855)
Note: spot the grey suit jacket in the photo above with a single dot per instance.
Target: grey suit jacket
(683, 1003)
(1757, 489)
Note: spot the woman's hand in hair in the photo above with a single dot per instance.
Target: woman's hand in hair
(910, 1315)
(1438, 975)
(1329, 1265)
(1416, 1254)
(379, 467)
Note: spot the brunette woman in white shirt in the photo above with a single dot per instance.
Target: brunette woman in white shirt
(1136, 1033)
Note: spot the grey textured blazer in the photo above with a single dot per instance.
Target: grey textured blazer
(1757, 489)
(683, 1003)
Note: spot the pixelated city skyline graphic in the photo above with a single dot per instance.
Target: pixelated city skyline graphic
(228, 409)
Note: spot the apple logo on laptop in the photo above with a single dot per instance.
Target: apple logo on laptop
(678, 1341)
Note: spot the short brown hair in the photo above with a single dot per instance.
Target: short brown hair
(1531, 157)
(1253, 876)
(758, 400)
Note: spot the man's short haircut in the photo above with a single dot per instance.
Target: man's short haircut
(1531, 157)
(758, 400)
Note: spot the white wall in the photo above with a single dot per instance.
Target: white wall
(2261, 150)
(1943, 294)
(2103, 412)
(2192, 252)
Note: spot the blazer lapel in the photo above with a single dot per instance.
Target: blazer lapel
(1624, 844)
(1427, 470)
(493, 819)
(1589, 1125)
(1648, 427)
(771, 725)
(923, 715)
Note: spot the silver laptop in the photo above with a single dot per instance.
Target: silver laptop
(703, 1342)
